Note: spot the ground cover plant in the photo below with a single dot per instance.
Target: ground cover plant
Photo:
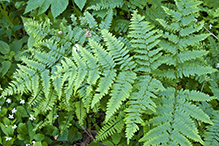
(109, 72)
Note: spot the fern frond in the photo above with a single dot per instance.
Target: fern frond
(120, 26)
(181, 50)
(38, 30)
(107, 4)
(90, 20)
(120, 92)
(107, 22)
(174, 120)
(189, 55)
(188, 69)
(146, 88)
(211, 135)
(67, 122)
(144, 40)
(118, 51)
(104, 85)
(112, 126)
(80, 111)
(48, 103)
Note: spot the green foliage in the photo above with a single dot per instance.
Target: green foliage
(211, 134)
(145, 76)
(57, 6)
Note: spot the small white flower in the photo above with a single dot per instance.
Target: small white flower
(14, 127)
(57, 115)
(33, 142)
(14, 110)
(22, 101)
(1, 89)
(32, 118)
(4, 97)
(217, 65)
(11, 116)
(6, 125)
(210, 26)
(76, 47)
(60, 32)
(0, 108)
(27, 144)
(8, 100)
(8, 138)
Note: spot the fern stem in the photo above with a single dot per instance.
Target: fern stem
(208, 30)
(92, 136)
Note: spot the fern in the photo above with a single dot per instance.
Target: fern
(107, 4)
(211, 135)
(80, 111)
(141, 79)
(174, 113)
(113, 126)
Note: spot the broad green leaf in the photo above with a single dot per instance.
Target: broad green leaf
(5, 67)
(116, 138)
(80, 3)
(4, 48)
(4, 129)
(44, 6)
(21, 112)
(38, 144)
(22, 129)
(39, 137)
(58, 6)
(33, 4)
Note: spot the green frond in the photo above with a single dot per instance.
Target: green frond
(190, 29)
(175, 14)
(151, 14)
(174, 120)
(190, 40)
(80, 111)
(35, 84)
(188, 69)
(91, 62)
(120, 92)
(189, 55)
(112, 126)
(105, 60)
(34, 64)
(107, 22)
(195, 95)
(45, 58)
(81, 72)
(144, 40)
(120, 26)
(46, 104)
(145, 89)
(46, 82)
(90, 20)
(104, 85)
(67, 122)
(57, 83)
(118, 51)
(138, 3)
(211, 135)
(169, 47)
(38, 30)
(34, 100)
(107, 4)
